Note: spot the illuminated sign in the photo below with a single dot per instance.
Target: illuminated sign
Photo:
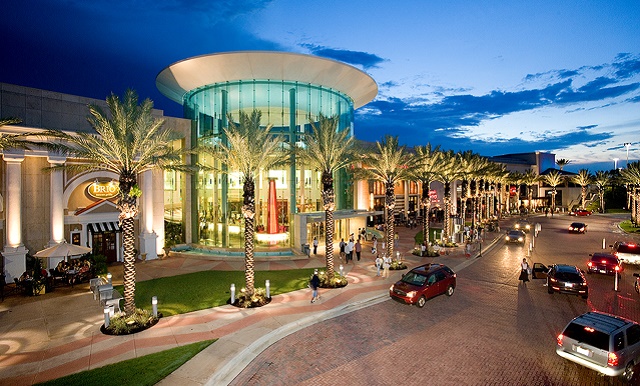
(512, 191)
(103, 190)
(433, 195)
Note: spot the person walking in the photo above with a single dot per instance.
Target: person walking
(378, 265)
(314, 283)
(349, 250)
(343, 245)
(374, 249)
(386, 263)
(358, 248)
(396, 240)
(524, 271)
(315, 245)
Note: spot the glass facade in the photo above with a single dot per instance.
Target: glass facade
(217, 196)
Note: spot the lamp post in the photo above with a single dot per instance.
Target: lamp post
(615, 164)
(627, 145)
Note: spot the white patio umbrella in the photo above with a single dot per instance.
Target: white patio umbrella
(61, 251)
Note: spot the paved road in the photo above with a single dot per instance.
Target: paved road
(492, 331)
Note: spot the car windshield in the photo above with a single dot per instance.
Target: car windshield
(629, 248)
(568, 276)
(577, 225)
(414, 278)
(587, 335)
(515, 234)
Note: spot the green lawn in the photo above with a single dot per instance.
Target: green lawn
(147, 370)
(201, 290)
(628, 227)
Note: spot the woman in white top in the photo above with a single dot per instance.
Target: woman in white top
(524, 273)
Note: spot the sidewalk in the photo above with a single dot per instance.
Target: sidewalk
(57, 334)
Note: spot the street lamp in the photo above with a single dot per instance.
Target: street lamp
(627, 145)
(615, 163)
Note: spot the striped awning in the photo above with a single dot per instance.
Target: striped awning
(101, 227)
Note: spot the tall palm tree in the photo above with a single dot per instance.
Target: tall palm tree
(467, 164)
(602, 179)
(448, 172)
(562, 162)
(248, 148)
(328, 149)
(517, 178)
(127, 142)
(631, 176)
(388, 163)
(14, 141)
(554, 178)
(583, 178)
(426, 171)
(530, 179)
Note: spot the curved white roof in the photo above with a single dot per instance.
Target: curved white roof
(181, 77)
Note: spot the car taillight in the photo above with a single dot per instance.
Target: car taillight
(590, 264)
(612, 359)
(559, 339)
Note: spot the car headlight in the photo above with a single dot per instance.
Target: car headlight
(391, 288)
(520, 239)
(506, 238)
(411, 294)
(528, 226)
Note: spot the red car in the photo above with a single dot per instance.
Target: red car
(424, 282)
(582, 212)
(604, 263)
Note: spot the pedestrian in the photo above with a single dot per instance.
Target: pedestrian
(396, 239)
(524, 271)
(378, 265)
(315, 245)
(314, 283)
(358, 248)
(349, 250)
(386, 263)
(342, 249)
(374, 249)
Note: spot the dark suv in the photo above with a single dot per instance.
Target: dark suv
(567, 279)
(605, 343)
(424, 282)
(604, 263)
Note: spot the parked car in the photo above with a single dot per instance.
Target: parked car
(604, 263)
(515, 236)
(523, 225)
(578, 227)
(424, 282)
(602, 342)
(580, 212)
(567, 279)
(627, 252)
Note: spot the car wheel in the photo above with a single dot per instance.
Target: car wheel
(629, 372)
(421, 302)
(585, 296)
(450, 290)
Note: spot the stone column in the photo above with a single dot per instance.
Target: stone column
(57, 204)
(14, 252)
(148, 236)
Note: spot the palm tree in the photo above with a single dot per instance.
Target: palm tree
(127, 142)
(389, 163)
(530, 179)
(554, 178)
(602, 180)
(448, 172)
(562, 163)
(583, 178)
(328, 150)
(248, 148)
(631, 176)
(517, 178)
(14, 141)
(426, 171)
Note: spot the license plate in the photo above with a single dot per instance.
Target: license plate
(603, 271)
(568, 284)
(583, 351)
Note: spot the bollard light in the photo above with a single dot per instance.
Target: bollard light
(106, 316)
(341, 270)
(604, 244)
(267, 284)
(530, 247)
(615, 285)
(398, 255)
(233, 293)
(154, 305)
(109, 276)
(533, 242)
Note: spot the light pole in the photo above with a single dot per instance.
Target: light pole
(627, 145)
(615, 164)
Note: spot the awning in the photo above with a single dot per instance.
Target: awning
(101, 227)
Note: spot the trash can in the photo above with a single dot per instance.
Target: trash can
(306, 249)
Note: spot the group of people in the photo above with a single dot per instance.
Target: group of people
(75, 270)
(347, 249)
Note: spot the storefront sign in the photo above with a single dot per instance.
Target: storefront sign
(103, 190)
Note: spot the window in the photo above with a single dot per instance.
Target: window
(633, 334)
(586, 335)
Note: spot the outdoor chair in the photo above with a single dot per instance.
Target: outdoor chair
(58, 277)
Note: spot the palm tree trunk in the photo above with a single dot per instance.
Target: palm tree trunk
(329, 206)
(390, 198)
(249, 211)
(426, 207)
(447, 210)
(129, 266)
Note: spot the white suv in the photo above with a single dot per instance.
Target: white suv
(605, 343)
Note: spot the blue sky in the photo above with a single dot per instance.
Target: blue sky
(494, 77)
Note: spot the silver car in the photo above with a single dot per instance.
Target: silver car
(602, 342)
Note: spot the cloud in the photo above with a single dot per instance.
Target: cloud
(357, 58)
